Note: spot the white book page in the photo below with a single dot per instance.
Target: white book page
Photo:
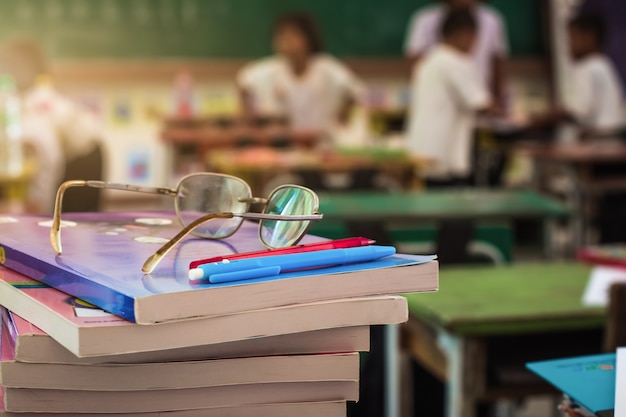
(620, 383)
(597, 290)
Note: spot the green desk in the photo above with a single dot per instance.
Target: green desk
(477, 332)
(437, 205)
(400, 212)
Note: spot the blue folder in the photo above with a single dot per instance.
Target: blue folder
(589, 380)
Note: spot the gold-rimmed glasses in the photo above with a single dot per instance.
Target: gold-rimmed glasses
(213, 206)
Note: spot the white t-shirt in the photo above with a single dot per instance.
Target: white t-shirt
(446, 92)
(310, 101)
(39, 133)
(77, 130)
(424, 29)
(596, 96)
(58, 131)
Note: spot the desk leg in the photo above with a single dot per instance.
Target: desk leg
(577, 203)
(392, 371)
(550, 247)
(464, 379)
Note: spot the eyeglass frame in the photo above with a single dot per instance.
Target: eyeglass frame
(153, 260)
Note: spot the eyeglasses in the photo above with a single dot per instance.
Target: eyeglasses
(213, 206)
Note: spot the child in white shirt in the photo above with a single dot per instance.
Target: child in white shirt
(446, 96)
(312, 90)
(595, 100)
(490, 49)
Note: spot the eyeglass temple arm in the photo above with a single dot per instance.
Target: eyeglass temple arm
(154, 260)
(55, 231)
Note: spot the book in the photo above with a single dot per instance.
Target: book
(177, 375)
(613, 255)
(305, 409)
(59, 401)
(103, 254)
(620, 383)
(33, 345)
(86, 331)
(588, 380)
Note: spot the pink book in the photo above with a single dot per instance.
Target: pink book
(32, 345)
(88, 331)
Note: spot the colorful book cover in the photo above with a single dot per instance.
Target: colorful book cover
(103, 254)
(7, 342)
(589, 380)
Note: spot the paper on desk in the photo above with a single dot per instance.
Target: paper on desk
(620, 383)
(600, 281)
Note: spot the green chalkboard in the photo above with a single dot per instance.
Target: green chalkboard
(136, 29)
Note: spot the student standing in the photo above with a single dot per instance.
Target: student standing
(313, 90)
(447, 93)
(595, 100)
(489, 52)
(596, 107)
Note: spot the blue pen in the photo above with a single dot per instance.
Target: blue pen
(239, 270)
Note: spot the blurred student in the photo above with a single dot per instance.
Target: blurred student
(490, 51)
(446, 96)
(595, 102)
(593, 106)
(311, 89)
(63, 137)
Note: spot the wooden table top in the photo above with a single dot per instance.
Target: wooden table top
(514, 299)
(594, 152)
(213, 134)
(269, 160)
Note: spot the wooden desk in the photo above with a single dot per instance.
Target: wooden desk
(441, 204)
(192, 139)
(205, 135)
(403, 210)
(263, 166)
(577, 162)
(485, 323)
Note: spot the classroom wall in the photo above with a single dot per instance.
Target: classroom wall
(120, 57)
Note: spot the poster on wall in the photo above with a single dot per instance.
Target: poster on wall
(138, 166)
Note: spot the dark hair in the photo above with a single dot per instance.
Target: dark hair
(592, 24)
(306, 24)
(456, 21)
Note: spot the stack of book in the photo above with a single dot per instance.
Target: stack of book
(87, 333)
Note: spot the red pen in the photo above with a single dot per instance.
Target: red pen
(351, 242)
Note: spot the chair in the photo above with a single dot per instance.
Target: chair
(615, 334)
(87, 167)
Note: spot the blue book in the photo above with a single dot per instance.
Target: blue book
(588, 380)
(103, 254)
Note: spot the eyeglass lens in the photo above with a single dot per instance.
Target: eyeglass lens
(210, 193)
(287, 200)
